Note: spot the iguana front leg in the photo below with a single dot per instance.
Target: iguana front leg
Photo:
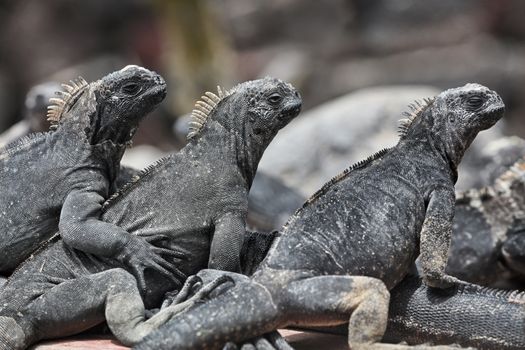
(435, 239)
(227, 241)
(81, 228)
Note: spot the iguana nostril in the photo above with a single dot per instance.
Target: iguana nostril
(158, 80)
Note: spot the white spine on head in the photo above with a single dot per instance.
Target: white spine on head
(134, 66)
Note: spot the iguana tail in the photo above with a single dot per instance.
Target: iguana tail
(12, 336)
(468, 315)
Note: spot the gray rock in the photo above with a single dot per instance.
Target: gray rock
(35, 111)
(271, 202)
(500, 154)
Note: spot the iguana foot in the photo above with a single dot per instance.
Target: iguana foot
(132, 327)
(180, 306)
(204, 279)
(192, 284)
(270, 341)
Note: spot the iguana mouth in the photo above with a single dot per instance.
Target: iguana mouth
(492, 115)
(157, 93)
(290, 111)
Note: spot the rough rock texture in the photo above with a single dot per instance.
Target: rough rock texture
(489, 159)
(488, 227)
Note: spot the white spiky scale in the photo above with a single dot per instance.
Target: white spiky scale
(195, 124)
(67, 87)
(209, 101)
(203, 109)
(59, 104)
(63, 94)
(416, 108)
(57, 101)
(199, 114)
(212, 96)
(219, 90)
(204, 105)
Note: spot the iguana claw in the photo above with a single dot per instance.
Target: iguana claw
(194, 290)
(140, 255)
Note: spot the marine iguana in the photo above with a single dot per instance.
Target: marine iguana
(192, 204)
(487, 240)
(355, 239)
(68, 172)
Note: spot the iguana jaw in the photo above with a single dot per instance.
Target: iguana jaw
(290, 112)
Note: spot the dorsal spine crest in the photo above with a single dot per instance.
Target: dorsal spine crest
(134, 180)
(203, 109)
(336, 179)
(65, 100)
(416, 109)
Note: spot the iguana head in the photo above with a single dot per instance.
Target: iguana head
(111, 108)
(255, 109)
(454, 117)
(269, 104)
(247, 117)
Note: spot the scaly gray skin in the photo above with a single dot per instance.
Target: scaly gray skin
(191, 205)
(67, 173)
(488, 233)
(354, 240)
(270, 202)
(468, 315)
(487, 241)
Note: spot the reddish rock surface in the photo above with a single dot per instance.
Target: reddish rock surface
(299, 340)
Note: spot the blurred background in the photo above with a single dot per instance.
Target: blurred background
(357, 64)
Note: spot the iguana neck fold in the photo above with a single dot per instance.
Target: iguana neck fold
(235, 147)
(449, 146)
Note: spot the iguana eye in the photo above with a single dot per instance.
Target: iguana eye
(130, 88)
(474, 101)
(275, 98)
